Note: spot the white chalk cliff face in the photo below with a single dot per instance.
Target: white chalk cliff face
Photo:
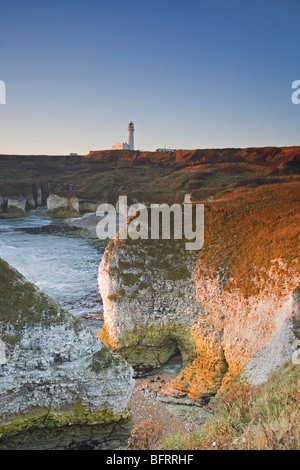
(149, 304)
(216, 332)
(17, 203)
(57, 205)
(225, 314)
(24, 198)
(256, 333)
(60, 387)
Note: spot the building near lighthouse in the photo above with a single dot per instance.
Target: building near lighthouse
(130, 140)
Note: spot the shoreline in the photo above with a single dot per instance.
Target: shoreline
(172, 414)
(82, 227)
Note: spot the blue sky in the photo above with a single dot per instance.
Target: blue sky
(189, 74)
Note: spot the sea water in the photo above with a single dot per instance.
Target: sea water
(64, 268)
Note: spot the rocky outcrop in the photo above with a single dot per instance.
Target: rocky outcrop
(16, 199)
(60, 387)
(63, 206)
(87, 206)
(149, 302)
(151, 312)
(16, 204)
(229, 309)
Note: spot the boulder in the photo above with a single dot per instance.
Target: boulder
(17, 203)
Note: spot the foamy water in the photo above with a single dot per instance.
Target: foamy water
(64, 268)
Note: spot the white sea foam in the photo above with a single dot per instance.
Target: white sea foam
(64, 268)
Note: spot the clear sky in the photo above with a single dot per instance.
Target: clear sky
(189, 74)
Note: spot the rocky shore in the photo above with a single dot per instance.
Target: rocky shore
(80, 227)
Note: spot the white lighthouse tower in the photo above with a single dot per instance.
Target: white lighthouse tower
(130, 140)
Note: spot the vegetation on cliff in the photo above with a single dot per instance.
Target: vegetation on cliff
(22, 304)
(152, 177)
(248, 232)
(265, 417)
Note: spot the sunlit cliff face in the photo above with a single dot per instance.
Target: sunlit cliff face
(234, 301)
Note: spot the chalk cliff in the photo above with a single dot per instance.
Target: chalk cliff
(58, 205)
(17, 199)
(148, 294)
(231, 308)
(60, 387)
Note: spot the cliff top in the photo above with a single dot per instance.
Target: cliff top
(150, 177)
(251, 232)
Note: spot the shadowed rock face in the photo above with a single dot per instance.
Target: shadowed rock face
(60, 387)
(232, 304)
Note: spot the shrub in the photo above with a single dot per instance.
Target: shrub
(145, 436)
(266, 417)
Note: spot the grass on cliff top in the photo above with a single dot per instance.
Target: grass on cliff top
(266, 417)
(148, 176)
(247, 231)
(22, 304)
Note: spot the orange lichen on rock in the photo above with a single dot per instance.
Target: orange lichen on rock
(245, 276)
(105, 336)
(204, 375)
(246, 231)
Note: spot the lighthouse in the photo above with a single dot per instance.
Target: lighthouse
(130, 140)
